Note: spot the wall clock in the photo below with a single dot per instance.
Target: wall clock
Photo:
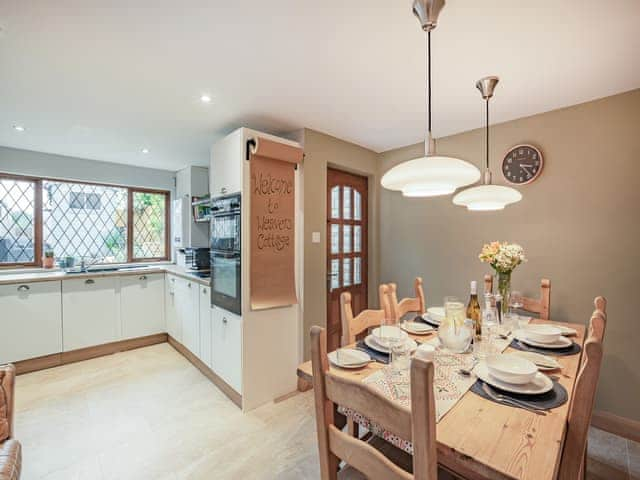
(522, 164)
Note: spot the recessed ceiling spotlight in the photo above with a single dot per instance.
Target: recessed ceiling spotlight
(145, 150)
(18, 128)
(205, 98)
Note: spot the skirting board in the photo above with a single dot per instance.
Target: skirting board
(234, 396)
(621, 426)
(63, 358)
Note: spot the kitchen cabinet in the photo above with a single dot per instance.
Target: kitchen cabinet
(187, 310)
(226, 164)
(142, 305)
(205, 318)
(91, 312)
(174, 325)
(30, 320)
(226, 350)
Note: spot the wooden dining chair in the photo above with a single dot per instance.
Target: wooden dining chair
(395, 309)
(417, 424)
(573, 461)
(541, 305)
(353, 326)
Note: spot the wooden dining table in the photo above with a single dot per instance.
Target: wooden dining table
(480, 439)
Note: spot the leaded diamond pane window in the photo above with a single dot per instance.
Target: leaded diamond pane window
(149, 225)
(17, 221)
(85, 221)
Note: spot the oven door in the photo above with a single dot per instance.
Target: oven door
(225, 280)
(225, 232)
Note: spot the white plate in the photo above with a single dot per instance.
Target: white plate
(387, 334)
(567, 331)
(431, 320)
(538, 359)
(437, 313)
(370, 342)
(540, 383)
(354, 358)
(417, 328)
(562, 342)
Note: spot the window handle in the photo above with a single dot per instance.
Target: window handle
(23, 288)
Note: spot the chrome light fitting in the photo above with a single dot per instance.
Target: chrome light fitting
(487, 196)
(433, 174)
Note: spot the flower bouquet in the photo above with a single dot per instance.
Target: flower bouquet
(503, 257)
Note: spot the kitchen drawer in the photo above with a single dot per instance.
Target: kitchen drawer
(30, 320)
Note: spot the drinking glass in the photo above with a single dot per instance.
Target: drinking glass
(454, 311)
(515, 300)
(400, 356)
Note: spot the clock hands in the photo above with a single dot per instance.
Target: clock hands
(526, 168)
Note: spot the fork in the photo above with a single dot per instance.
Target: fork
(498, 397)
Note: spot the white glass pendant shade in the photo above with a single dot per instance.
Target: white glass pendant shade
(487, 197)
(430, 176)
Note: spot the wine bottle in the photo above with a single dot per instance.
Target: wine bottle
(473, 309)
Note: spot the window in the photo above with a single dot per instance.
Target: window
(100, 223)
(18, 240)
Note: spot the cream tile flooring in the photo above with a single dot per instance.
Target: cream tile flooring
(149, 414)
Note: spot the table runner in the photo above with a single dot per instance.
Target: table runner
(449, 387)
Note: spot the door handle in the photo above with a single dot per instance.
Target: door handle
(23, 288)
(224, 320)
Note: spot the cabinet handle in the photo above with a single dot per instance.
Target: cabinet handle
(204, 291)
(224, 320)
(189, 284)
(89, 281)
(23, 288)
(143, 277)
(223, 190)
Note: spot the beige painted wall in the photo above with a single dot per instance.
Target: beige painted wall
(579, 224)
(321, 151)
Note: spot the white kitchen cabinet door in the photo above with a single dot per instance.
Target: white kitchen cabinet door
(227, 347)
(186, 298)
(30, 320)
(142, 305)
(90, 312)
(205, 325)
(226, 164)
(174, 325)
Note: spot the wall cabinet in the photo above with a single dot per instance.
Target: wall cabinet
(227, 347)
(91, 312)
(205, 325)
(187, 310)
(30, 320)
(226, 165)
(142, 305)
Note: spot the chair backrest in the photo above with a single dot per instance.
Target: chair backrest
(395, 309)
(581, 408)
(541, 305)
(417, 424)
(7, 388)
(353, 326)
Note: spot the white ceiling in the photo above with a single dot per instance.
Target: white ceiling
(102, 80)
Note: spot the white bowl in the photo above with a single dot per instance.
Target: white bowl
(437, 313)
(511, 368)
(543, 333)
(388, 335)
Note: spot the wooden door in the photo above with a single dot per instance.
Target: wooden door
(346, 247)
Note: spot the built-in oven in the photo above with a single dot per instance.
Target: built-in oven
(225, 254)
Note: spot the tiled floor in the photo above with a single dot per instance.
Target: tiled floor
(149, 414)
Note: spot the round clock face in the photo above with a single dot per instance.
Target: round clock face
(522, 164)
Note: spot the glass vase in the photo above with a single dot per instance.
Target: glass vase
(504, 288)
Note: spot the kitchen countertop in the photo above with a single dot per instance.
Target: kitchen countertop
(52, 275)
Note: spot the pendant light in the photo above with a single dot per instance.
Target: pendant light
(487, 196)
(432, 174)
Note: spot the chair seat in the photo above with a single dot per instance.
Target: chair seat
(10, 460)
(399, 457)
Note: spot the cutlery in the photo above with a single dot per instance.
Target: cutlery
(373, 359)
(505, 336)
(467, 371)
(498, 397)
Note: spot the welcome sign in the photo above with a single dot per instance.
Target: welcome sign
(272, 209)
